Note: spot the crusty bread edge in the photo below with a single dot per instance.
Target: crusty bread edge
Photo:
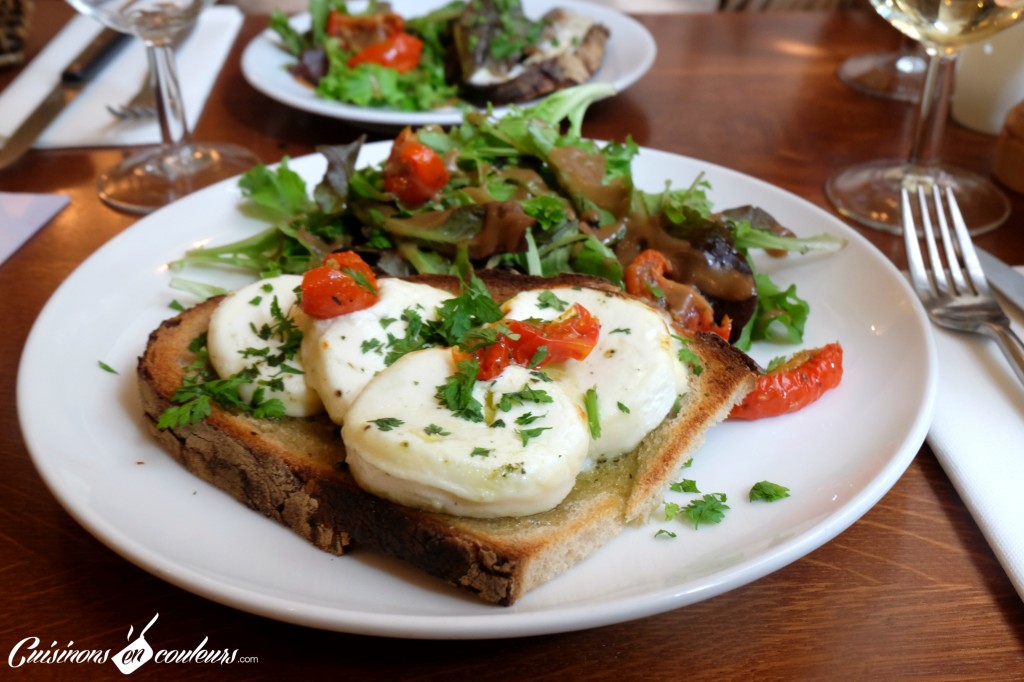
(708, 400)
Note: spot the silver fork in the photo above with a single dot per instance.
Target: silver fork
(953, 288)
(141, 105)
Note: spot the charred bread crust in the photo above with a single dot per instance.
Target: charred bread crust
(292, 470)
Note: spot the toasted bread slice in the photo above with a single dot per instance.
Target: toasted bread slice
(293, 470)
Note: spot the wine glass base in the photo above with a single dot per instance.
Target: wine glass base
(156, 177)
(891, 75)
(870, 194)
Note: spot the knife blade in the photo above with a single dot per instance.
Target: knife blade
(1004, 278)
(73, 80)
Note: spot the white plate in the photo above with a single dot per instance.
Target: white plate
(839, 456)
(629, 54)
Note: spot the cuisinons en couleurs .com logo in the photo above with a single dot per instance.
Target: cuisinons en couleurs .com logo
(138, 652)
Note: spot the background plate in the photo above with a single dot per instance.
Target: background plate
(629, 53)
(838, 456)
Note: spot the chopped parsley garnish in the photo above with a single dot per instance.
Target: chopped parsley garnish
(548, 299)
(456, 393)
(622, 408)
(687, 485)
(370, 345)
(201, 387)
(524, 395)
(107, 368)
(481, 452)
(687, 356)
(593, 416)
(527, 434)
(539, 356)
(361, 280)
(478, 338)
(708, 509)
(461, 321)
(194, 398)
(435, 430)
(417, 336)
(677, 405)
(768, 491)
(472, 308)
(387, 423)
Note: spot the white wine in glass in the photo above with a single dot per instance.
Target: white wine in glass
(157, 176)
(869, 193)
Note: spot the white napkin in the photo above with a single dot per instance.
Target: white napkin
(86, 121)
(978, 436)
(22, 214)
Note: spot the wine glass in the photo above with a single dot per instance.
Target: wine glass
(891, 75)
(155, 177)
(869, 193)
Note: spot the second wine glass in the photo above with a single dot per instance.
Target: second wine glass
(869, 193)
(158, 176)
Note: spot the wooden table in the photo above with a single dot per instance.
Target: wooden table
(911, 590)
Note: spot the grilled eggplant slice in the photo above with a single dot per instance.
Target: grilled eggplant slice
(503, 57)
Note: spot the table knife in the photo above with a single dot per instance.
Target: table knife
(75, 77)
(1004, 278)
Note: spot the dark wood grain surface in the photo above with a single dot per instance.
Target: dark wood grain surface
(910, 591)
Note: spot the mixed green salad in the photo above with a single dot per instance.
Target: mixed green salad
(526, 192)
(322, 59)
(466, 51)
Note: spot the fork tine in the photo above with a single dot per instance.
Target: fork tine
(949, 247)
(938, 271)
(915, 264)
(966, 245)
(126, 113)
(141, 105)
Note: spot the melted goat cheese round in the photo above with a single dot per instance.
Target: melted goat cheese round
(243, 322)
(521, 458)
(634, 369)
(343, 353)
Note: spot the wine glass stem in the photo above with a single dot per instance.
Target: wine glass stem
(173, 126)
(932, 109)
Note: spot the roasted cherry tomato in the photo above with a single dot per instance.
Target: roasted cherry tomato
(358, 31)
(343, 284)
(493, 358)
(793, 385)
(571, 336)
(400, 52)
(645, 277)
(414, 172)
